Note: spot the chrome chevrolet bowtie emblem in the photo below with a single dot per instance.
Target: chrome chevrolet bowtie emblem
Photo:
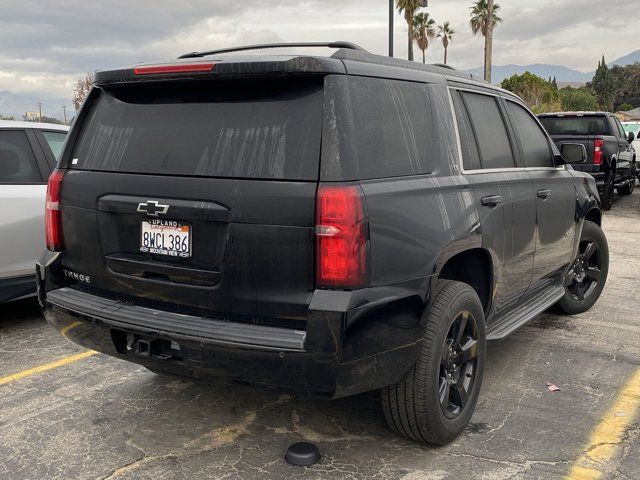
(152, 208)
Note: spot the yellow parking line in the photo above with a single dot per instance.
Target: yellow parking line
(47, 366)
(609, 433)
(64, 331)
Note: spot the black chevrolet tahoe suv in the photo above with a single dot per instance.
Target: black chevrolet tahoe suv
(327, 225)
(611, 159)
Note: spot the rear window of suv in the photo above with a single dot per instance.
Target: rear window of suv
(574, 125)
(243, 129)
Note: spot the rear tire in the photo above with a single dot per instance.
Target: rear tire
(436, 399)
(606, 198)
(588, 273)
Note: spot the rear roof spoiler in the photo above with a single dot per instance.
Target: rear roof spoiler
(262, 46)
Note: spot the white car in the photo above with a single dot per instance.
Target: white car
(28, 153)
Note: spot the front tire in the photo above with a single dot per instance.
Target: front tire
(629, 187)
(587, 275)
(436, 399)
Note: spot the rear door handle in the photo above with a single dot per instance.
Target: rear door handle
(492, 200)
(544, 193)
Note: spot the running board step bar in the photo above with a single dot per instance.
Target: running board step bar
(527, 310)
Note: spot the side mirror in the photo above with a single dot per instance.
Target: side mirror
(574, 153)
(630, 137)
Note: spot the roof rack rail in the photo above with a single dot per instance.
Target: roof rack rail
(339, 44)
(444, 65)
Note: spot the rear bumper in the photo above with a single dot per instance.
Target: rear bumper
(352, 342)
(152, 322)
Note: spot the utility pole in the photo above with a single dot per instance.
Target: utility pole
(488, 47)
(64, 113)
(391, 13)
(39, 111)
(423, 4)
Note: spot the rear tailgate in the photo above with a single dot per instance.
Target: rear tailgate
(197, 196)
(587, 141)
(577, 127)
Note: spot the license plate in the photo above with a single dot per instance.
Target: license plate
(165, 237)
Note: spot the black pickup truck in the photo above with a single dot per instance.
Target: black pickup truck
(611, 159)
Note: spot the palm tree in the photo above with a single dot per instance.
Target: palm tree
(409, 8)
(480, 23)
(423, 31)
(446, 34)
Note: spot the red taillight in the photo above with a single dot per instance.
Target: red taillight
(341, 237)
(597, 151)
(52, 213)
(174, 68)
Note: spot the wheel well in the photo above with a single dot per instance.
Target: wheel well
(594, 215)
(474, 268)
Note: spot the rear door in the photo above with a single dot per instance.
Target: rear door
(23, 174)
(502, 191)
(197, 195)
(625, 154)
(554, 191)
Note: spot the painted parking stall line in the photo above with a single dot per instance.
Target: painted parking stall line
(609, 433)
(47, 367)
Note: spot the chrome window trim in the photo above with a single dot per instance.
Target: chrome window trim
(489, 170)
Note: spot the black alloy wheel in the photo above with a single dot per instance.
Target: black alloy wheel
(583, 277)
(586, 277)
(458, 364)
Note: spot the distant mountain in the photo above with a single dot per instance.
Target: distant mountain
(633, 57)
(562, 73)
(15, 105)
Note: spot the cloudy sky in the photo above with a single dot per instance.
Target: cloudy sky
(46, 44)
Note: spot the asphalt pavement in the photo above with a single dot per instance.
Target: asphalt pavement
(65, 414)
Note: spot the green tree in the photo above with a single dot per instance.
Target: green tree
(624, 107)
(423, 31)
(409, 9)
(480, 23)
(602, 85)
(578, 99)
(626, 85)
(535, 91)
(5, 117)
(446, 34)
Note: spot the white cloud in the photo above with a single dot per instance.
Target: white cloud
(47, 44)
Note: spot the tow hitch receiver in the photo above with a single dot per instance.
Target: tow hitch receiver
(158, 348)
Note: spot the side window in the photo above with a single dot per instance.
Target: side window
(534, 142)
(55, 140)
(490, 130)
(470, 155)
(17, 163)
(392, 127)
